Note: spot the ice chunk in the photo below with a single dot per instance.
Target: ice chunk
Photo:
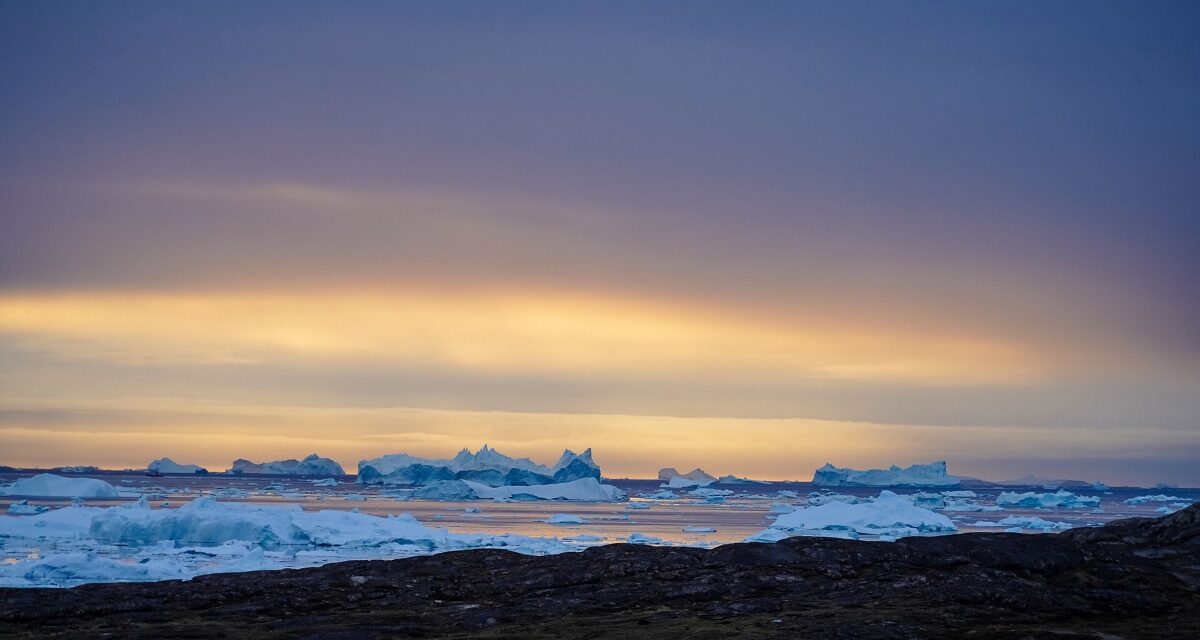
(585, 489)
(665, 494)
(23, 508)
(699, 530)
(48, 485)
(327, 482)
(889, 514)
(313, 465)
(641, 538)
(918, 475)
(1058, 499)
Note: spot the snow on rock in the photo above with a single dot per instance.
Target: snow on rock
(1156, 498)
(565, 518)
(48, 485)
(313, 465)
(918, 475)
(584, 489)
(486, 466)
(695, 478)
(888, 515)
(167, 465)
(1058, 499)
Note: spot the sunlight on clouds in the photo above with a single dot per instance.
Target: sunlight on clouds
(501, 332)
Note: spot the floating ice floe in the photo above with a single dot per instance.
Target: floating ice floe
(313, 465)
(1058, 499)
(888, 515)
(48, 485)
(1032, 523)
(565, 518)
(584, 489)
(918, 475)
(641, 538)
(326, 482)
(167, 465)
(781, 507)
(699, 530)
(816, 499)
(665, 494)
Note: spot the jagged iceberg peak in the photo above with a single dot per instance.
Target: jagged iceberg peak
(918, 475)
(569, 456)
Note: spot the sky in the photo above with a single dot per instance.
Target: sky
(752, 237)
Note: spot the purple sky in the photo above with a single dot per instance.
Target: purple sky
(979, 218)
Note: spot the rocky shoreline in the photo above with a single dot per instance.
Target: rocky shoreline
(1129, 579)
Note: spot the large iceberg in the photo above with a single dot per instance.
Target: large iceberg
(1058, 499)
(313, 465)
(888, 516)
(167, 465)
(918, 475)
(486, 466)
(48, 485)
(697, 477)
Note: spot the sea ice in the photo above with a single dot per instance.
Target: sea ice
(1032, 523)
(585, 489)
(1156, 498)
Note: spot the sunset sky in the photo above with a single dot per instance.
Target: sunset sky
(752, 237)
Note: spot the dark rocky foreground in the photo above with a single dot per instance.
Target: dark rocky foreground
(1130, 579)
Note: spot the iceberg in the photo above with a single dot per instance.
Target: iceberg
(167, 465)
(313, 465)
(48, 485)
(889, 515)
(918, 475)
(1058, 499)
(487, 466)
(23, 508)
(695, 478)
(731, 479)
(584, 489)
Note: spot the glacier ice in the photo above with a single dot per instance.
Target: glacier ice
(918, 475)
